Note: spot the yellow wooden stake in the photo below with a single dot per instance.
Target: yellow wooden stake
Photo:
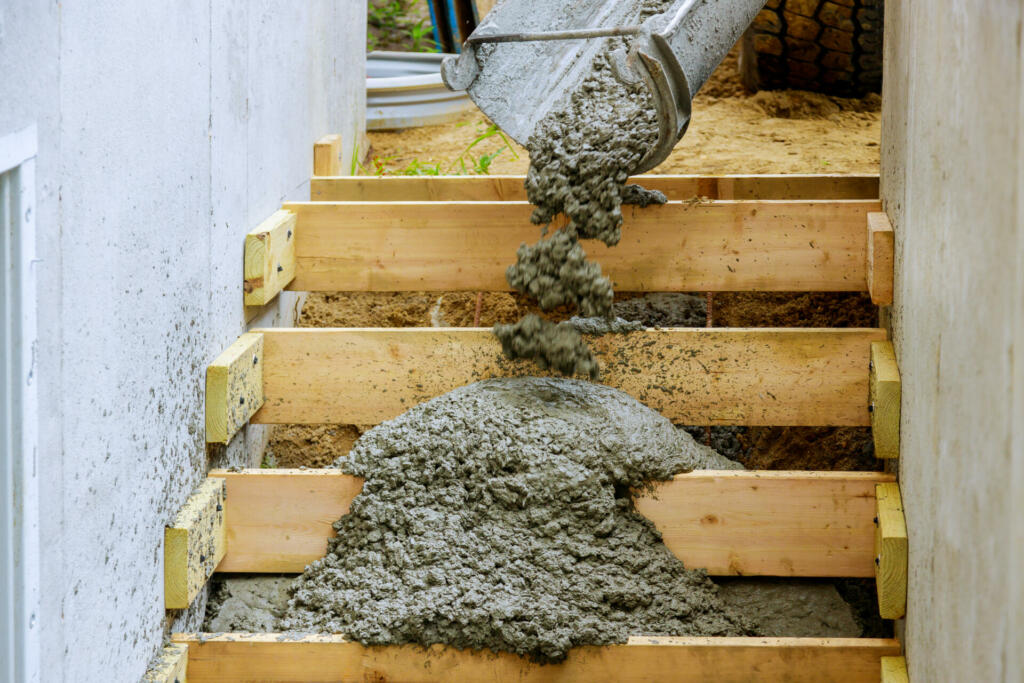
(234, 388)
(884, 398)
(269, 258)
(890, 551)
(881, 258)
(195, 543)
(170, 666)
(894, 670)
(327, 156)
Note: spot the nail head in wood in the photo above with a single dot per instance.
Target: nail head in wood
(234, 388)
(884, 396)
(890, 551)
(881, 258)
(195, 543)
(269, 258)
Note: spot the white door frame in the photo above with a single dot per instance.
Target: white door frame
(19, 412)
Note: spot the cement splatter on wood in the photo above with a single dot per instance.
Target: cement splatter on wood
(499, 516)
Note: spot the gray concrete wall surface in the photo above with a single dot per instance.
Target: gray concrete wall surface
(953, 185)
(166, 131)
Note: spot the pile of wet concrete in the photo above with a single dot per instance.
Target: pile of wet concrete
(500, 516)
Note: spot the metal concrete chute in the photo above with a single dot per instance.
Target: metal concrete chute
(527, 55)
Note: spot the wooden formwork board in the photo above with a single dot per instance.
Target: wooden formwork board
(677, 247)
(719, 376)
(194, 544)
(234, 388)
(503, 188)
(891, 550)
(282, 657)
(797, 524)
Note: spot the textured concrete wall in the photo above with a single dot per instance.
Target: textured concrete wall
(953, 183)
(166, 132)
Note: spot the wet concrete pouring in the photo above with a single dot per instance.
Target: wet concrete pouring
(500, 515)
(581, 155)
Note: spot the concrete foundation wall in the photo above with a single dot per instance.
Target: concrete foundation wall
(166, 132)
(953, 184)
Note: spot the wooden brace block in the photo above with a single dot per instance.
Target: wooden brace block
(234, 388)
(269, 258)
(327, 155)
(195, 543)
(884, 399)
(881, 259)
(890, 551)
(894, 670)
(170, 666)
(323, 658)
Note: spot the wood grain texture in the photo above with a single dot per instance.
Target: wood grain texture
(318, 659)
(813, 524)
(194, 544)
(890, 551)
(894, 670)
(327, 156)
(269, 258)
(881, 259)
(170, 666)
(499, 188)
(281, 519)
(769, 523)
(884, 398)
(234, 388)
(720, 376)
(677, 247)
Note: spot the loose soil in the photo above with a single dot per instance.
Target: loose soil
(732, 131)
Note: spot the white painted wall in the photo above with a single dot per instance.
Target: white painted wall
(953, 184)
(166, 132)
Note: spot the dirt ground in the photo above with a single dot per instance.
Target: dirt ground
(732, 132)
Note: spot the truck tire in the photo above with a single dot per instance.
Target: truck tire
(828, 46)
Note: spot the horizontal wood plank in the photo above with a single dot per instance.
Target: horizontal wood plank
(812, 524)
(281, 519)
(677, 247)
(720, 376)
(499, 188)
(216, 658)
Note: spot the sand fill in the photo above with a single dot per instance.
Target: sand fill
(500, 516)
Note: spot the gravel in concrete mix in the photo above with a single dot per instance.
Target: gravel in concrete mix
(581, 155)
(499, 516)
